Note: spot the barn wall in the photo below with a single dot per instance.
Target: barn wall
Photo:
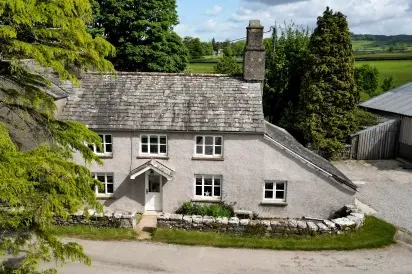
(405, 138)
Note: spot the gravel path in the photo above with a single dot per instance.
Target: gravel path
(386, 186)
(145, 257)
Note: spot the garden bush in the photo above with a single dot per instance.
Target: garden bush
(214, 210)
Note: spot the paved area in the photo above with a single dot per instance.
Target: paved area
(148, 223)
(385, 186)
(146, 257)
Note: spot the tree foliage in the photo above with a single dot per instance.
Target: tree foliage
(286, 62)
(367, 79)
(207, 48)
(329, 96)
(215, 46)
(388, 83)
(41, 183)
(227, 49)
(194, 46)
(228, 65)
(364, 119)
(142, 32)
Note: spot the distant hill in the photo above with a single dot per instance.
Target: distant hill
(389, 39)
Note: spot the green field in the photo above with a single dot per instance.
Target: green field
(200, 67)
(401, 70)
(363, 45)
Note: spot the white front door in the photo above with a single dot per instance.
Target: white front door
(153, 192)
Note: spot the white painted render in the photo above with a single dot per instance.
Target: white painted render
(248, 160)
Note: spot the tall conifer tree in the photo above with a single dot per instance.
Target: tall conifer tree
(329, 95)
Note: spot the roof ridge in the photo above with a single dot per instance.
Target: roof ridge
(163, 74)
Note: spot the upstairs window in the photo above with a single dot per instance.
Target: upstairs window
(209, 146)
(107, 145)
(107, 180)
(275, 191)
(208, 186)
(153, 144)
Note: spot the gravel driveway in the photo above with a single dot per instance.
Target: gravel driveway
(385, 186)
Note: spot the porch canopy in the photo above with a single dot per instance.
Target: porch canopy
(155, 166)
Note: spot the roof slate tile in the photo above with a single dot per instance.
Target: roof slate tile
(172, 102)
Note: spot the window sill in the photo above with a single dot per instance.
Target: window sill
(104, 196)
(204, 158)
(153, 157)
(205, 200)
(273, 203)
(105, 156)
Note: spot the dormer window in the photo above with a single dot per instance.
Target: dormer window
(107, 146)
(153, 144)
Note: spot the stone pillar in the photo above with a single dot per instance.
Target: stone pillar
(254, 57)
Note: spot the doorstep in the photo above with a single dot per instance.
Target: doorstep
(148, 222)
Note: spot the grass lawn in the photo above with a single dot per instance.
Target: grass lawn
(98, 234)
(374, 234)
(201, 67)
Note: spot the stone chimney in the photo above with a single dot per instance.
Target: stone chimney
(254, 57)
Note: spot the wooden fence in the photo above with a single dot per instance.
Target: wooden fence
(376, 143)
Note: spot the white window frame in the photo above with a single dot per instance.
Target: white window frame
(105, 183)
(104, 148)
(148, 153)
(274, 190)
(212, 197)
(203, 154)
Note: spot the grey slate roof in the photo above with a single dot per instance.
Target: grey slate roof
(58, 89)
(283, 137)
(170, 102)
(397, 101)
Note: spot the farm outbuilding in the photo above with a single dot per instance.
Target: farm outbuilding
(396, 104)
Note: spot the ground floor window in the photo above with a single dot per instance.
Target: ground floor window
(275, 191)
(107, 180)
(208, 186)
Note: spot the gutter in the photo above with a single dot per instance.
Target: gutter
(337, 178)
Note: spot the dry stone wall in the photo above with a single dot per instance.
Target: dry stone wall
(274, 227)
(123, 219)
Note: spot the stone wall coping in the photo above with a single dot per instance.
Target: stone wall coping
(280, 226)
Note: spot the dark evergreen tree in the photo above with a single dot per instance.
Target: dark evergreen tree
(329, 96)
(215, 46)
(142, 32)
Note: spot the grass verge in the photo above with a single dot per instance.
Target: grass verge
(98, 234)
(374, 234)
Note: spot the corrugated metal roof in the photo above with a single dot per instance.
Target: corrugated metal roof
(397, 101)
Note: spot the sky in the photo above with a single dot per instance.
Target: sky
(227, 19)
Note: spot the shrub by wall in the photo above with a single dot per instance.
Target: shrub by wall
(214, 210)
